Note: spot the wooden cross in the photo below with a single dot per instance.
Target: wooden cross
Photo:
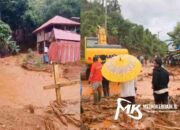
(58, 84)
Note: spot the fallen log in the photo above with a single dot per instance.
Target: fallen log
(73, 120)
(58, 114)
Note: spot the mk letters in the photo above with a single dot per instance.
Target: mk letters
(130, 109)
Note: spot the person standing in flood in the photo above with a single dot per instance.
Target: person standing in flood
(128, 92)
(105, 83)
(160, 80)
(95, 79)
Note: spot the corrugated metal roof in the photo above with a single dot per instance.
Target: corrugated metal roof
(64, 51)
(57, 20)
(65, 35)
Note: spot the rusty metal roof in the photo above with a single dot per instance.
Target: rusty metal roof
(57, 20)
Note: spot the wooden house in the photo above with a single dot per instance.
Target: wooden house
(58, 22)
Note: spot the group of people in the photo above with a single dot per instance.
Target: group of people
(143, 59)
(160, 80)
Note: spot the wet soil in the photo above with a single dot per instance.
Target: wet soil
(21, 92)
(101, 116)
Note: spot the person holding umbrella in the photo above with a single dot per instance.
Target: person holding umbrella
(128, 93)
(123, 69)
(95, 79)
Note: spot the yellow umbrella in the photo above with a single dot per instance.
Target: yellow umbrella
(121, 68)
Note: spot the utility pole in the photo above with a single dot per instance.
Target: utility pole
(106, 16)
(158, 34)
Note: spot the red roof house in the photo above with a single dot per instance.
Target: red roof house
(61, 36)
(57, 20)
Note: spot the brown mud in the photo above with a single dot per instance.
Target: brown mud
(101, 116)
(25, 105)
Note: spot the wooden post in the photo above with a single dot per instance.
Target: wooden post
(58, 95)
(57, 82)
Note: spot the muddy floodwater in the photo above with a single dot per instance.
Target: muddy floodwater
(101, 116)
(22, 91)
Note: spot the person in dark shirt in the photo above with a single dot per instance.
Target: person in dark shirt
(105, 84)
(160, 80)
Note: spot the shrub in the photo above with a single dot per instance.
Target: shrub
(7, 45)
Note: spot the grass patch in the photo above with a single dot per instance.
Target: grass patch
(33, 61)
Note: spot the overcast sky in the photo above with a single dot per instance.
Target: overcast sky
(156, 15)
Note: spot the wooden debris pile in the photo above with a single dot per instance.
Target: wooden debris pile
(58, 113)
(101, 116)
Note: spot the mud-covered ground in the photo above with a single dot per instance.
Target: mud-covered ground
(25, 105)
(101, 116)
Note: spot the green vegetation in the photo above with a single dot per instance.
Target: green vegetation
(24, 16)
(120, 31)
(175, 34)
(7, 45)
(32, 60)
(66, 8)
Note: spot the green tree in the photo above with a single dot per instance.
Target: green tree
(5, 30)
(92, 15)
(175, 34)
(34, 15)
(24, 16)
(120, 31)
(7, 45)
(66, 8)
(114, 6)
(12, 12)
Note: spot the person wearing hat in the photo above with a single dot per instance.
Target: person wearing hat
(95, 79)
(160, 80)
